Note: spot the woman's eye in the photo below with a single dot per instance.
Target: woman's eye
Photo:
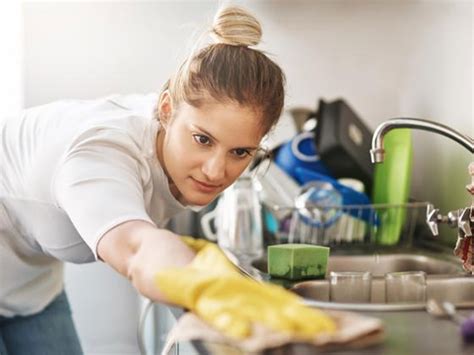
(241, 152)
(199, 138)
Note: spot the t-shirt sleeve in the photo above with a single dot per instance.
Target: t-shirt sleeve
(100, 183)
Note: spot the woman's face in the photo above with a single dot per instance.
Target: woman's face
(204, 150)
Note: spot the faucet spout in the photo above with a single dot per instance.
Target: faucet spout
(377, 152)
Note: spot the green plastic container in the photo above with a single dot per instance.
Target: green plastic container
(392, 182)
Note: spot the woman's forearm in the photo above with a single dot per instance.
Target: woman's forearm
(138, 250)
(158, 251)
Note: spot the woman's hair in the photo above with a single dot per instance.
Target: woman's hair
(229, 70)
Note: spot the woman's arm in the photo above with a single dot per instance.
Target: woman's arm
(138, 250)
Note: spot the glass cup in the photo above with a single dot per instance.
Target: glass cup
(317, 209)
(237, 220)
(405, 287)
(352, 228)
(350, 286)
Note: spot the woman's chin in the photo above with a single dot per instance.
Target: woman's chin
(196, 199)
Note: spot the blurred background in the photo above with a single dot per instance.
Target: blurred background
(387, 58)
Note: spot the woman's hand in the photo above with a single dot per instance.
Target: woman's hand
(212, 288)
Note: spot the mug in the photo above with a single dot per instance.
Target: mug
(237, 220)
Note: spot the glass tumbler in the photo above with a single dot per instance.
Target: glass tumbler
(405, 287)
(317, 208)
(350, 286)
(239, 224)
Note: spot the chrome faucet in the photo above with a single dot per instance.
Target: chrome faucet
(377, 152)
(463, 218)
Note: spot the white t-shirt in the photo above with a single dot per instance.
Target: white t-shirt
(71, 171)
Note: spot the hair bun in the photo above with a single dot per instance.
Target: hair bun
(236, 26)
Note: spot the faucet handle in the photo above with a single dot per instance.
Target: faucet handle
(433, 217)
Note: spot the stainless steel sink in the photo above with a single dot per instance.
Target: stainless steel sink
(456, 289)
(445, 280)
(378, 265)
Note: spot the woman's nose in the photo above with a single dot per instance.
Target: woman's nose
(214, 167)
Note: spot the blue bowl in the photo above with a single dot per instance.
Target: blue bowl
(300, 151)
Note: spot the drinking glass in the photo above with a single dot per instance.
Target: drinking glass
(350, 286)
(239, 224)
(316, 210)
(405, 287)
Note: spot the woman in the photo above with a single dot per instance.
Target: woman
(93, 180)
(97, 180)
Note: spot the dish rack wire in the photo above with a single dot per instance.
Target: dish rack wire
(348, 225)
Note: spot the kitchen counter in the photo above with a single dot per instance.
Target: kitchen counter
(406, 333)
(409, 332)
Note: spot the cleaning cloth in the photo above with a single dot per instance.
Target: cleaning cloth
(354, 331)
(230, 308)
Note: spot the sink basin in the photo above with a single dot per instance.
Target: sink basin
(445, 280)
(458, 290)
(378, 265)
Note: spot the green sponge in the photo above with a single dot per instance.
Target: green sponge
(297, 261)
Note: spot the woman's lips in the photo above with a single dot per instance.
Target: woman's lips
(203, 187)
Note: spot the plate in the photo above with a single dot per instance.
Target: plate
(350, 197)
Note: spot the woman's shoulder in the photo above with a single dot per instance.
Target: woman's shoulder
(143, 104)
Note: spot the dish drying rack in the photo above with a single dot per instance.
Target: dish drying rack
(347, 225)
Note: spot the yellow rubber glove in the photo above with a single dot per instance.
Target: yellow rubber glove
(213, 289)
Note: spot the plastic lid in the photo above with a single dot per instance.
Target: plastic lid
(354, 184)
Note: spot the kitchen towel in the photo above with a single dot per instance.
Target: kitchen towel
(354, 331)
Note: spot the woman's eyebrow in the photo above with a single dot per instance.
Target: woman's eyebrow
(213, 138)
(205, 132)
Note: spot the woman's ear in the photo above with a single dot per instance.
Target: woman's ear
(165, 108)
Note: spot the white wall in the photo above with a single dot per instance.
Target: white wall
(11, 58)
(386, 58)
